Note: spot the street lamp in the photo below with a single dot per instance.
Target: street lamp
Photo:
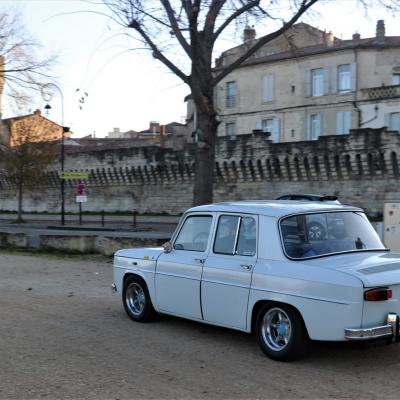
(47, 95)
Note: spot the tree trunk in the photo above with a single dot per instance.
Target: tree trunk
(205, 157)
(20, 197)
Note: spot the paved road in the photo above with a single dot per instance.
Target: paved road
(157, 227)
(64, 335)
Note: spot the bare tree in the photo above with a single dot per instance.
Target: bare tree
(22, 70)
(195, 26)
(25, 163)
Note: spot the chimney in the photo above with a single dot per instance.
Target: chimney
(329, 39)
(154, 127)
(380, 31)
(249, 33)
(162, 135)
(356, 36)
(37, 112)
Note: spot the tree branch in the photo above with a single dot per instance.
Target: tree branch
(305, 5)
(156, 52)
(233, 16)
(175, 28)
(211, 17)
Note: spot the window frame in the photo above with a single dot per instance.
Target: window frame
(237, 235)
(231, 99)
(343, 76)
(355, 210)
(182, 224)
(230, 124)
(391, 116)
(344, 114)
(268, 88)
(317, 81)
(396, 78)
(275, 136)
(310, 123)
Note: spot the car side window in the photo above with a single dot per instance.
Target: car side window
(225, 238)
(235, 235)
(194, 233)
(246, 245)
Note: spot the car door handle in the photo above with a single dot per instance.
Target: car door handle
(199, 260)
(247, 267)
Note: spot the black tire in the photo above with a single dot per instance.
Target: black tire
(286, 340)
(136, 300)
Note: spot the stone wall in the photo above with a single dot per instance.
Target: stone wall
(361, 168)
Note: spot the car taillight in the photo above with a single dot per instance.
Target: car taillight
(378, 294)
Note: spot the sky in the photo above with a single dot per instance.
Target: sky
(127, 89)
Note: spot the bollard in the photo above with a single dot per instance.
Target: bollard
(135, 213)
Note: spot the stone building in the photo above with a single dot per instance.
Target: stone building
(32, 127)
(173, 134)
(308, 83)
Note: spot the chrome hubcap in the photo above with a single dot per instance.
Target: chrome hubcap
(135, 298)
(276, 329)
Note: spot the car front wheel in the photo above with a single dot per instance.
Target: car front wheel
(136, 300)
(281, 333)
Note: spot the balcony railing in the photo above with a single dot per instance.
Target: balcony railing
(381, 92)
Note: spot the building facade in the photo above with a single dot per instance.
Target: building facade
(308, 83)
(30, 128)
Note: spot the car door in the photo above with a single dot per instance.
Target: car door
(227, 271)
(178, 272)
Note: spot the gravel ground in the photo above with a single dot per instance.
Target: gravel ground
(64, 335)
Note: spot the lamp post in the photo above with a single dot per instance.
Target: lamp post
(47, 96)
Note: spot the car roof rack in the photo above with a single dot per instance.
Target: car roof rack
(326, 197)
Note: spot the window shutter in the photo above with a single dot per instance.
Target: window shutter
(353, 77)
(387, 120)
(347, 121)
(308, 135)
(339, 118)
(277, 128)
(326, 81)
(334, 79)
(307, 83)
(320, 126)
(268, 88)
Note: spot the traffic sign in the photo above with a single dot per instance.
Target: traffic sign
(81, 199)
(74, 175)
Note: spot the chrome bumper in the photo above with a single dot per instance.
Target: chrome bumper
(389, 330)
(113, 288)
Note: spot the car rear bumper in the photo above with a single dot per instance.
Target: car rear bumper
(389, 330)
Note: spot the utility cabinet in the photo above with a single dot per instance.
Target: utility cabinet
(391, 225)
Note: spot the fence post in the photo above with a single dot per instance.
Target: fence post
(135, 213)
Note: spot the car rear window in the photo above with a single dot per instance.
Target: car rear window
(319, 234)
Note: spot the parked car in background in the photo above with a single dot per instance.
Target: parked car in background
(309, 197)
(317, 228)
(253, 266)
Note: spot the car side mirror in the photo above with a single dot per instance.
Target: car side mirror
(167, 247)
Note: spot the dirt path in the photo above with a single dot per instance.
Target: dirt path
(64, 335)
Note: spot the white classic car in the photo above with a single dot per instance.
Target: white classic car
(256, 267)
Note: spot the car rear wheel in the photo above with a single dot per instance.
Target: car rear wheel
(281, 333)
(136, 300)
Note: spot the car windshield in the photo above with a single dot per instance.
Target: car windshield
(314, 235)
